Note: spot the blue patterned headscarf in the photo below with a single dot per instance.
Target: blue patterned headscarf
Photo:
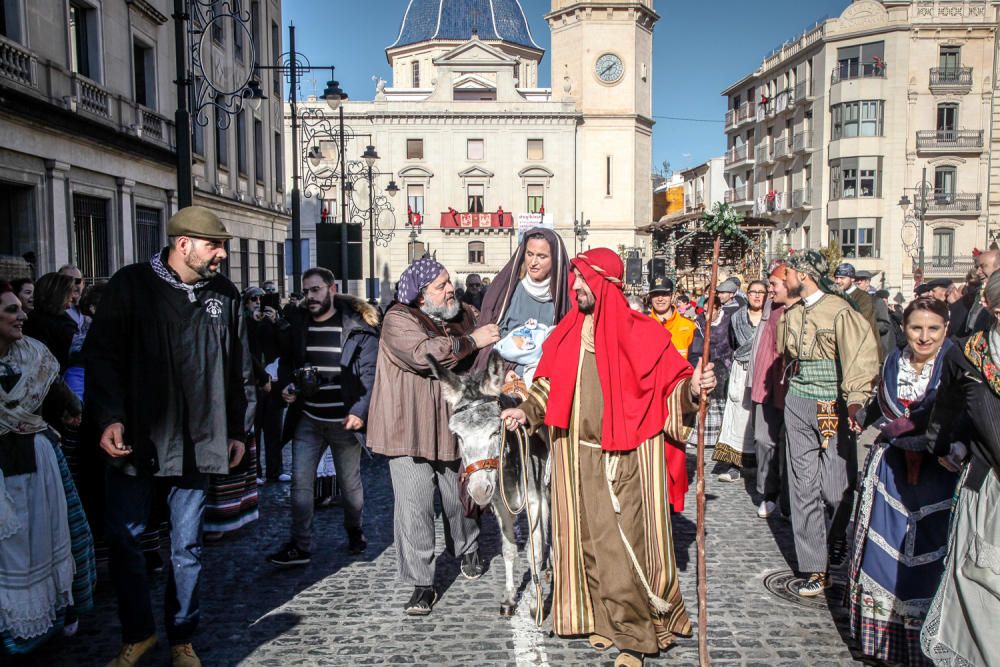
(416, 277)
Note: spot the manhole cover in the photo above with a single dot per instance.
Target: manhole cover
(784, 585)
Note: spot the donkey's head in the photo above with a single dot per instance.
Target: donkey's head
(475, 420)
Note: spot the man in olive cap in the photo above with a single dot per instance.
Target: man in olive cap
(170, 389)
(831, 364)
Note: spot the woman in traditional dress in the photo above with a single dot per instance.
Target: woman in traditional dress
(46, 549)
(736, 440)
(722, 357)
(901, 521)
(534, 285)
(963, 624)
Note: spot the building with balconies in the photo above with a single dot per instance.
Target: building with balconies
(88, 153)
(845, 118)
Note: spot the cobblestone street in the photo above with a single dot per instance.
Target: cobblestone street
(347, 611)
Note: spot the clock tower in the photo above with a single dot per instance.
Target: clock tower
(602, 57)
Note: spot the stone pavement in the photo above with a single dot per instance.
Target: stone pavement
(341, 610)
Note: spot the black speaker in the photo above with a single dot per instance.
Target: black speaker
(657, 268)
(328, 252)
(633, 270)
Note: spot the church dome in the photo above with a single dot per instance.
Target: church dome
(490, 20)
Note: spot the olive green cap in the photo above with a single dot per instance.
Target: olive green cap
(197, 222)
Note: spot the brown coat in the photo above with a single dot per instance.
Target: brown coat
(408, 415)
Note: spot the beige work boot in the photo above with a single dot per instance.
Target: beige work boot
(630, 659)
(130, 653)
(183, 655)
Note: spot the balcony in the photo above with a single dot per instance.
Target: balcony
(764, 154)
(951, 203)
(776, 203)
(740, 196)
(951, 80)
(17, 64)
(950, 141)
(781, 149)
(739, 155)
(694, 201)
(948, 267)
(802, 92)
(851, 71)
(453, 220)
(801, 199)
(742, 114)
(802, 142)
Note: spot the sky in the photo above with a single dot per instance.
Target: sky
(699, 48)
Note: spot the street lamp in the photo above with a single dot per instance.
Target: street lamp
(370, 157)
(920, 207)
(580, 232)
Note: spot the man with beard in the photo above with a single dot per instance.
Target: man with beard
(409, 423)
(615, 415)
(170, 388)
(337, 336)
(831, 360)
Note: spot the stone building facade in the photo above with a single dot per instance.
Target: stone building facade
(88, 153)
(465, 132)
(833, 128)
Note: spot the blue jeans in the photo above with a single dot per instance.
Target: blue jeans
(311, 439)
(127, 513)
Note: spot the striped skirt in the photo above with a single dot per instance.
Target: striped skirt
(231, 500)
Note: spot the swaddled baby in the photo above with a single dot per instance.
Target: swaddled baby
(523, 346)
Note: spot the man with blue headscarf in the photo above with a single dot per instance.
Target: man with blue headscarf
(408, 422)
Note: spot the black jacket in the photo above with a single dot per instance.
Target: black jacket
(359, 352)
(55, 332)
(175, 372)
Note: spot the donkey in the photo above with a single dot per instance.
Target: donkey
(475, 400)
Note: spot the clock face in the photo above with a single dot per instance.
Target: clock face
(609, 68)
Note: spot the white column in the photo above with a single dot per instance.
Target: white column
(126, 225)
(55, 233)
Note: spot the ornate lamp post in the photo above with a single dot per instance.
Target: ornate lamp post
(580, 232)
(370, 157)
(915, 246)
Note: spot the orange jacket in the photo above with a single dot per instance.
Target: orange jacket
(681, 330)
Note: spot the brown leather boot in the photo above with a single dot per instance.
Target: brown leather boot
(130, 653)
(183, 655)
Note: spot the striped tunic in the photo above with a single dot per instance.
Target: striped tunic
(324, 344)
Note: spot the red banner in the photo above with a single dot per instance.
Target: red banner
(456, 220)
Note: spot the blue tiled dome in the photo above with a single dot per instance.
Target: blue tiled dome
(502, 20)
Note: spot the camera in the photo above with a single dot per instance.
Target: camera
(307, 381)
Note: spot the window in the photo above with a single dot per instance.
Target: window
(477, 252)
(255, 23)
(244, 263)
(950, 60)
(90, 234)
(241, 142)
(328, 210)
(862, 60)
(238, 29)
(144, 74)
(944, 184)
(281, 267)
(415, 73)
(858, 119)
(856, 177)
(217, 31)
(536, 149)
(477, 194)
(474, 149)
(415, 202)
(275, 50)
(943, 249)
(10, 19)
(221, 140)
(279, 177)
(947, 119)
(261, 262)
(83, 30)
(536, 198)
(148, 231)
(857, 237)
(607, 176)
(414, 149)
(258, 150)
(415, 250)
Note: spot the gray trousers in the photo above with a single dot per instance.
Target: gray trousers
(769, 440)
(311, 440)
(413, 483)
(821, 482)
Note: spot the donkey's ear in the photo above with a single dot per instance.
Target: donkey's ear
(451, 384)
(493, 379)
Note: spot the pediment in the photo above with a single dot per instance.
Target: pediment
(474, 82)
(475, 52)
(415, 172)
(535, 171)
(475, 172)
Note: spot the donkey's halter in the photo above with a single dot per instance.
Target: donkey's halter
(482, 464)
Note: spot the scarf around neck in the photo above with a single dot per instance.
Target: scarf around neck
(538, 290)
(19, 406)
(744, 330)
(904, 419)
(169, 276)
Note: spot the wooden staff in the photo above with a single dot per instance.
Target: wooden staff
(706, 356)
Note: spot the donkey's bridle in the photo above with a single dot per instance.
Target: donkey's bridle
(481, 464)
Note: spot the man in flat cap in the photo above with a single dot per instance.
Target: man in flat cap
(844, 276)
(170, 388)
(662, 309)
(937, 288)
(408, 422)
(884, 326)
(831, 365)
